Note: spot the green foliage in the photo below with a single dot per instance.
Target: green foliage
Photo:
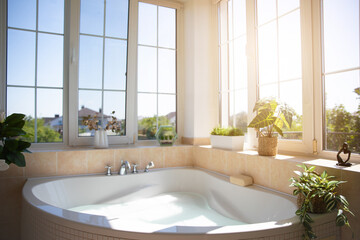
(147, 126)
(271, 116)
(45, 134)
(12, 146)
(311, 185)
(230, 131)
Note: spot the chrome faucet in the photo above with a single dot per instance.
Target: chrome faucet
(150, 165)
(108, 171)
(124, 168)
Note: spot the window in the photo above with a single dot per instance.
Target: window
(156, 69)
(279, 56)
(340, 74)
(102, 62)
(35, 47)
(233, 64)
(65, 60)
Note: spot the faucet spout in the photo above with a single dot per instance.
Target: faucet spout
(124, 168)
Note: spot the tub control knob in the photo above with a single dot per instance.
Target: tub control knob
(134, 168)
(108, 172)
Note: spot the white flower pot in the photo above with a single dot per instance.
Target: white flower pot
(101, 139)
(228, 142)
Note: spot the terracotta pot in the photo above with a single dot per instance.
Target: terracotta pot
(268, 146)
(317, 203)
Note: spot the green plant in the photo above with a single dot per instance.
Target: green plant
(271, 116)
(311, 187)
(11, 147)
(230, 131)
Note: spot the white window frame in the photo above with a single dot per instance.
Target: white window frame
(71, 62)
(177, 8)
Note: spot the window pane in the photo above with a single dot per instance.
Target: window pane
(239, 8)
(92, 17)
(342, 111)
(90, 62)
(290, 46)
(89, 104)
(231, 65)
(268, 90)
(147, 112)
(224, 85)
(167, 72)
(167, 27)
(21, 55)
(22, 14)
(341, 34)
(51, 16)
(50, 60)
(167, 109)
(21, 100)
(240, 63)
(223, 22)
(115, 101)
(230, 20)
(241, 106)
(285, 6)
(49, 113)
(291, 94)
(147, 24)
(115, 64)
(266, 10)
(147, 69)
(267, 44)
(117, 18)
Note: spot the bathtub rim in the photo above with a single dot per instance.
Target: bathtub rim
(277, 226)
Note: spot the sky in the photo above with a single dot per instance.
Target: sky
(156, 65)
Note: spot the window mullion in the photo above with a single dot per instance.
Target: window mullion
(36, 69)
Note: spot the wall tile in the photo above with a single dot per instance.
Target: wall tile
(71, 163)
(132, 155)
(202, 156)
(152, 154)
(40, 164)
(13, 171)
(175, 157)
(280, 173)
(98, 159)
(258, 167)
(217, 161)
(236, 163)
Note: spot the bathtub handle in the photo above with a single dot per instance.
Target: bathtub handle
(134, 168)
(108, 172)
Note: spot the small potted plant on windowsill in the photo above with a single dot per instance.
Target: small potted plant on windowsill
(227, 138)
(271, 117)
(317, 194)
(100, 137)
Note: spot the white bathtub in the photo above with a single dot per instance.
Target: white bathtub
(49, 206)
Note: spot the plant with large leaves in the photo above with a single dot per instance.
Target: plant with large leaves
(271, 116)
(12, 147)
(317, 194)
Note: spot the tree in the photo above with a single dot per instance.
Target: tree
(147, 126)
(44, 133)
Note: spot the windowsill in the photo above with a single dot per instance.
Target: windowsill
(62, 147)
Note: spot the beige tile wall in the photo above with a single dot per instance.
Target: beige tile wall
(272, 172)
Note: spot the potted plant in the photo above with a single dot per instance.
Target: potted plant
(100, 137)
(317, 194)
(11, 146)
(271, 117)
(166, 135)
(228, 138)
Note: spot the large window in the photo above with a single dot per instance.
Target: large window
(279, 56)
(233, 64)
(340, 72)
(66, 60)
(305, 53)
(156, 69)
(35, 47)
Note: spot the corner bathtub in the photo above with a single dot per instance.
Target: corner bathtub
(182, 203)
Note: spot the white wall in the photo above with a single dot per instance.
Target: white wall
(201, 68)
